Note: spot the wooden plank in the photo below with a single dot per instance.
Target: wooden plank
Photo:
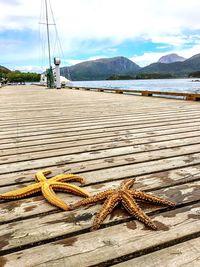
(110, 243)
(91, 132)
(100, 143)
(20, 133)
(65, 223)
(90, 123)
(137, 133)
(30, 112)
(112, 117)
(104, 158)
(117, 172)
(24, 208)
(37, 128)
(71, 115)
(185, 254)
(102, 150)
(81, 112)
(154, 139)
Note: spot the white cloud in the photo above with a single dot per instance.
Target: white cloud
(70, 62)
(162, 21)
(151, 57)
(37, 69)
(116, 19)
(146, 58)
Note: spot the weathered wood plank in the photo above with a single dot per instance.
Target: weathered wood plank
(104, 158)
(110, 243)
(17, 133)
(123, 147)
(24, 208)
(70, 125)
(186, 254)
(11, 123)
(161, 136)
(65, 223)
(60, 137)
(49, 117)
(80, 112)
(100, 130)
(111, 173)
(80, 109)
(163, 151)
(66, 118)
(66, 92)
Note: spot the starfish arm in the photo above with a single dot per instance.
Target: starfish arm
(40, 176)
(151, 198)
(93, 199)
(68, 177)
(65, 187)
(127, 184)
(22, 192)
(52, 198)
(107, 208)
(132, 207)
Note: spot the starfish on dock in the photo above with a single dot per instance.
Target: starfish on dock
(46, 186)
(123, 194)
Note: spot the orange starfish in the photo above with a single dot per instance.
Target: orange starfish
(127, 197)
(46, 186)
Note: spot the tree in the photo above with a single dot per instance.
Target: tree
(21, 77)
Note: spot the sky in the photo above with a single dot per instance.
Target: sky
(142, 30)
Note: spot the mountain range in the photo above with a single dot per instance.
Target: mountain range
(3, 70)
(103, 68)
(171, 58)
(179, 69)
(100, 69)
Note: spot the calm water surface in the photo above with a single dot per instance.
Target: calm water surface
(172, 85)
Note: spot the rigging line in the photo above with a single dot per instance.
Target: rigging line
(48, 38)
(42, 36)
(59, 41)
(43, 43)
(56, 30)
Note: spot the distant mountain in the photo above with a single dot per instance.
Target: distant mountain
(103, 68)
(3, 70)
(100, 69)
(171, 58)
(181, 69)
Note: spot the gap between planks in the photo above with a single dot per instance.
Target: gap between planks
(25, 208)
(105, 244)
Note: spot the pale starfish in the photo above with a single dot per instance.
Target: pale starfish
(123, 194)
(46, 186)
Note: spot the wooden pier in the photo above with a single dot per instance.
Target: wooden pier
(106, 138)
(176, 95)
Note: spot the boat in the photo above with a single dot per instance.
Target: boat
(64, 81)
(51, 77)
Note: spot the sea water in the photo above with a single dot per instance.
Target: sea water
(165, 85)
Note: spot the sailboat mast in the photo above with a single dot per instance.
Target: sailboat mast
(48, 38)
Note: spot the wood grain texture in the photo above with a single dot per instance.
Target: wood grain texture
(109, 243)
(65, 223)
(106, 138)
(186, 254)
